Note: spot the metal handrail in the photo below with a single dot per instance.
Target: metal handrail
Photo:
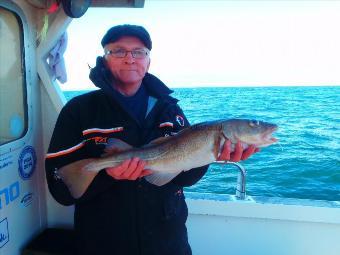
(241, 178)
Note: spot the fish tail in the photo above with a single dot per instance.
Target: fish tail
(91, 167)
(76, 178)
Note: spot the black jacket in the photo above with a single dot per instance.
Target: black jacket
(121, 217)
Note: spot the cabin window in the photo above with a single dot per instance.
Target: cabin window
(13, 104)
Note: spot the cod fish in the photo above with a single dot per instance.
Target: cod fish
(167, 157)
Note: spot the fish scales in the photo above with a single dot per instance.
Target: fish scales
(171, 154)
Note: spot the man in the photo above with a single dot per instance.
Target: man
(119, 212)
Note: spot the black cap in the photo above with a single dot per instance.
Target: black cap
(116, 32)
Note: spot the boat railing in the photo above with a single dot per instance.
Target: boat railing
(241, 178)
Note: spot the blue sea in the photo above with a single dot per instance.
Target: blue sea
(306, 161)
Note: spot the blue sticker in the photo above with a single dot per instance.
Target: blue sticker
(27, 199)
(4, 235)
(27, 162)
(5, 162)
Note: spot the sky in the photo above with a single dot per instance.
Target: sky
(220, 43)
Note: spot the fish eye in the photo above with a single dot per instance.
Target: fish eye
(254, 123)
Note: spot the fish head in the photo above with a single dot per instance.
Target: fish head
(251, 132)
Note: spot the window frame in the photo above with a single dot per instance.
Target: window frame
(26, 72)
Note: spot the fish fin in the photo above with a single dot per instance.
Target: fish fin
(159, 140)
(114, 146)
(160, 179)
(76, 178)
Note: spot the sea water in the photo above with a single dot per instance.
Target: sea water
(306, 161)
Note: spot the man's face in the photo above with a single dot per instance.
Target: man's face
(127, 70)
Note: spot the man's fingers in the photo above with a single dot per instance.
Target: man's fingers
(117, 171)
(225, 153)
(145, 172)
(138, 170)
(122, 168)
(237, 154)
(131, 168)
(248, 152)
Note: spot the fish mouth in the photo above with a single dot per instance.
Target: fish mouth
(263, 139)
(267, 136)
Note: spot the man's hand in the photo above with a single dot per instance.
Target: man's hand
(238, 153)
(130, 169)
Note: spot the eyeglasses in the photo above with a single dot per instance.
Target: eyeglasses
(122, 53)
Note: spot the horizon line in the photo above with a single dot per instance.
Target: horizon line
(225, 86)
